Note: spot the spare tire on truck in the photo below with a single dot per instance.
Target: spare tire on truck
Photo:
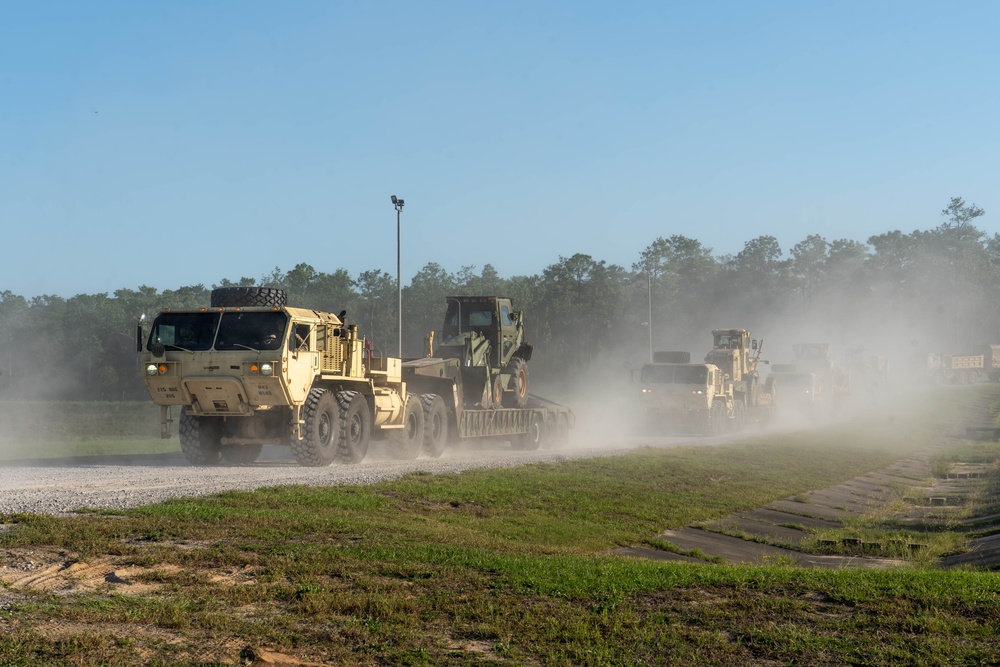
(246, 297)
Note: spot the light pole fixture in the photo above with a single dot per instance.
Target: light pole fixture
(649, 296)
(398, 203)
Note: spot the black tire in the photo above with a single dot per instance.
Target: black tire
(320, 432)
(516, 395)
(561, 435)
(533, 439)
(229, 297)
(355, 427)
(435, 425)
(241, 454)
(406, 442)
(739, 417)
(716, 422)
(200, 439)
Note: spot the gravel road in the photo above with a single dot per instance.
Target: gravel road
(63, 486)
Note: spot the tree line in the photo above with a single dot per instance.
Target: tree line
(896, 294)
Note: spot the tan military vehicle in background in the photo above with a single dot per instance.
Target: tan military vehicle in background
(250, 371)
(722, 394)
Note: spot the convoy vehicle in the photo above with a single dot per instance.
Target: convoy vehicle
(724, 393)
(479, 377)
(249, 370)
(867, 372)
(802, 392)
(965, 368)
(834, 380)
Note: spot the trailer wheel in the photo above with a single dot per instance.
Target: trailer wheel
(435, 425)
(531, 440)
(355, 427)
(227, 297)
(405, 443)
(200, 439)
(516, 395)
(241, 454)
(321, 431)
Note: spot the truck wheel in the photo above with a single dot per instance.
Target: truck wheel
(562, 430)
(200, 439)
(716, 422)
(531, 440)
(739, 416)
(321, 431)
(405, 443)
(355, 427)
(227, 297)
(241, 454)
(435, 425)
(516, 395)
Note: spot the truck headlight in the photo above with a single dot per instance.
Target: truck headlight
(151, 369)
(266, 369)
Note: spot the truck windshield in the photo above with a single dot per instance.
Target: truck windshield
(196, 332)
(670, 374)
(184, 331)
(259, 331)
(469, 315)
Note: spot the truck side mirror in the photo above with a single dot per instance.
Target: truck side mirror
(138, 337)
(753, 344)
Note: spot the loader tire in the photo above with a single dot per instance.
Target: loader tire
(406, 442)
(355, 427)
(435, 425)
(200, 439)
(716, 423)
(739, 417)
(320, 432)
(228, 297)
(516, 395)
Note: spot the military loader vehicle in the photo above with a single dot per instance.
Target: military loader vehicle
(722, 394)
(486, 335)
(249, 370)
(479, 374)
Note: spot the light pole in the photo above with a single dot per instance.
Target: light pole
(398, 203)
(649, 297)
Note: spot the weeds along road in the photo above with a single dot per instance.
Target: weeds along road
(61, 486)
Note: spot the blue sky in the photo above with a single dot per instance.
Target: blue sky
(178, 143)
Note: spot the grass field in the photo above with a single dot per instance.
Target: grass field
(502, 567)
(30, 430)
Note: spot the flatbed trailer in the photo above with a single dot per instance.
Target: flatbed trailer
(472, 413)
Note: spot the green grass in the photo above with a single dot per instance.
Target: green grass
(60, 429)
(507, 567)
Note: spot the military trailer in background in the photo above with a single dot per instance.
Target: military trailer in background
(984, 362)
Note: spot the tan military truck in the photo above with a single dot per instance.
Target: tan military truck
(802, 392)
(834, 379)
(249, 370)
(724, 393)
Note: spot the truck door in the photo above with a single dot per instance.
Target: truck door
(303, 360)
(508, 333)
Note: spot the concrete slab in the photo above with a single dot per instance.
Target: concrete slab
(759, 531)
(785, 518)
